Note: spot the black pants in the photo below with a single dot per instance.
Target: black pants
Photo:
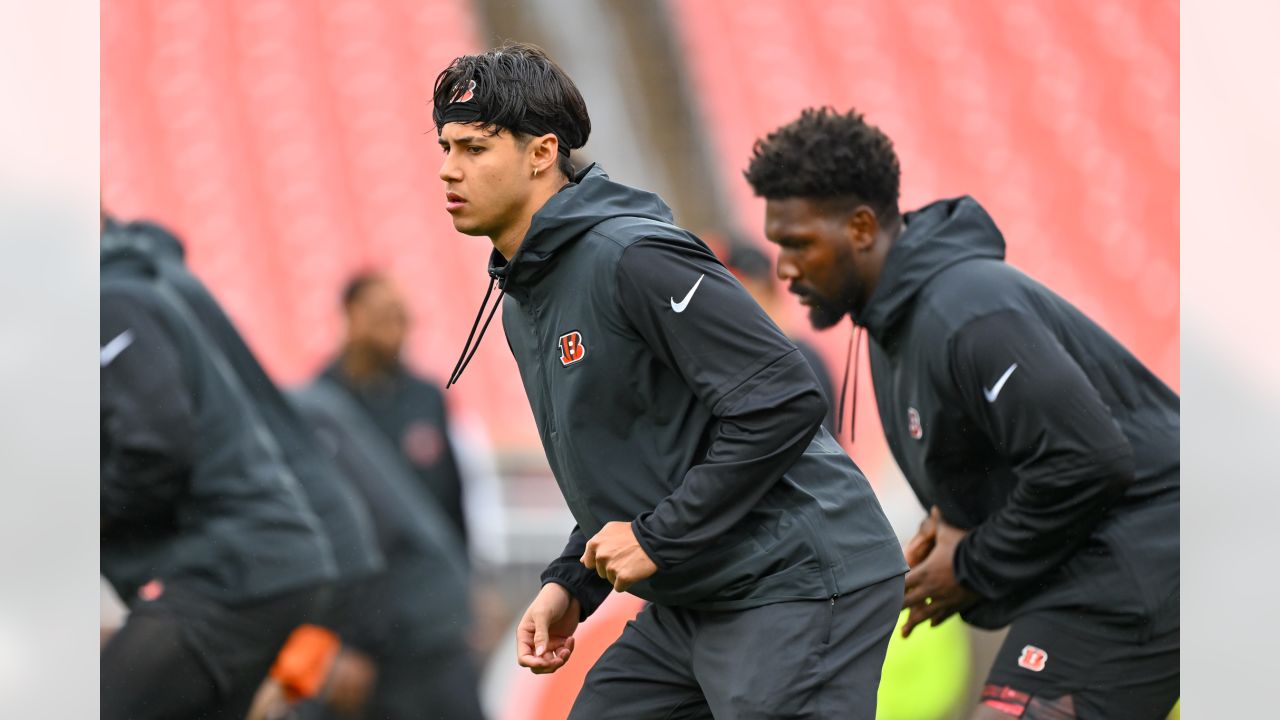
(183, 655)
(803, 659)
(1050, 667)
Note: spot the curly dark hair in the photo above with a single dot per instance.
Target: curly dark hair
(827, 155)
(518, 88)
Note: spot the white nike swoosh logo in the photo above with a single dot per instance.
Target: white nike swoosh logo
(680, 306)
(994, 392)
(112, 349)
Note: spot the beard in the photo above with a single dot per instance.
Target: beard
(824, 315)
(824, 312)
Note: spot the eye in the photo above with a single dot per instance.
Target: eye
(475, 149)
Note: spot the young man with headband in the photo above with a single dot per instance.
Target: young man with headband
(682, 426)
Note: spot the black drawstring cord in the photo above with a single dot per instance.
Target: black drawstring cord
(853, 411)
(844, 384)
(465, 358)
(851, 357)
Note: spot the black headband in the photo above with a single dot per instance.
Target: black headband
(467, 112)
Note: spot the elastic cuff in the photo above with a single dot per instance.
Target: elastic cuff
(589, 595)
(961, 565)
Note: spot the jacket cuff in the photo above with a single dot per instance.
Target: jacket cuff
(962, 566)
(589, 589)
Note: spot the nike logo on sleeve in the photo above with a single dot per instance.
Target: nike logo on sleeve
(680, 306)
(113, 349)
(994, 392)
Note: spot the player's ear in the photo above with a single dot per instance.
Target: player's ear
(543, 153)
(862, 226)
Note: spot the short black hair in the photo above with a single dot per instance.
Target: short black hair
(356, 286)
(517, 88)
(827, 155)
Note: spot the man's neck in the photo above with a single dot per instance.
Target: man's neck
(880, 253)
(363, 365)
(508, 241)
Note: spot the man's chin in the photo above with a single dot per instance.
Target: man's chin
(467, 228)
(822, 318)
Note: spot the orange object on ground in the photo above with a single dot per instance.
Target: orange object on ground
(304, 661)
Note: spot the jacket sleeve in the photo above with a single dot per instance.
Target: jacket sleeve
(699, 321)
(584, 584)
(1072, 462)
(148, 425)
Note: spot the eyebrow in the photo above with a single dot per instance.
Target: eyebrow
(462, 140)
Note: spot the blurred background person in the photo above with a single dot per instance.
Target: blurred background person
(403, 622)
(341, 511)
(451, 462)
(406, 653)
(409, 410)
(205, 531)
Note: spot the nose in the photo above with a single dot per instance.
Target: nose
(787, 269)
(449, 171)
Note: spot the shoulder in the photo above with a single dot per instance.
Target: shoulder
(969, 291)
(620, 235)
(624, 251)
(136, 299)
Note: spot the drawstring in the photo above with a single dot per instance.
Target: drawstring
(465, 359)
(852, 354)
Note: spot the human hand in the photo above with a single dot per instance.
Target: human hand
(616, 555)
(350, 682)
(544, 637)
(932, 591)
(922, 544)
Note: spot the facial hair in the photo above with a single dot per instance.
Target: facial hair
(824, 314)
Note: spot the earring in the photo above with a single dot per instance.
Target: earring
(535, 172)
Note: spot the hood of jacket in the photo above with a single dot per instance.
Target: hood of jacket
(936, 237)
(582, 204)
(140, 240)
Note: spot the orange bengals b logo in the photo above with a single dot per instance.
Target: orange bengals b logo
(571, 348)
(1033, 658)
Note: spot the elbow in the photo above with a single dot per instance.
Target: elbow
(816, 406)
(812, 406)
(1117, 473)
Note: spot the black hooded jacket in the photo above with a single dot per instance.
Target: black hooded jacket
(1024, 421)
(342, 514)
(194, 491)
(419, 604)
(410, 412)
(665, 397)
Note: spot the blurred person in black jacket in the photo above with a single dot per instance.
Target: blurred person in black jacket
(412, 627)
(342, 513)
(206, 532)
(408, 409)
